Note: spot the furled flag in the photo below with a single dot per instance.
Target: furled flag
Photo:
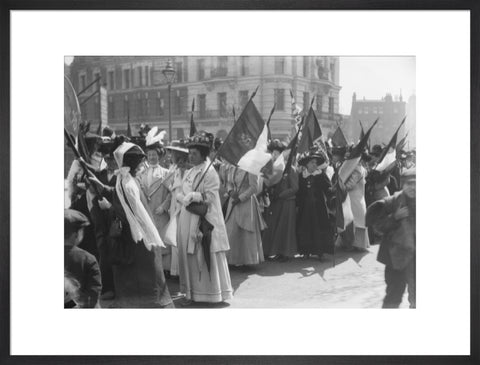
(354, 157)
(268, 123)
(311, 133)
(246, 144)
(401, 144)
(129, 128)
(389, 156)
(193, 129)
(338, 138)
(292, 146)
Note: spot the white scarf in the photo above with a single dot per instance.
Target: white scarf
(141, 224)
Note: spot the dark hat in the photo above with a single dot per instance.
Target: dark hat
(277, 145)
(201, 139)
(313, 153)
(74, 220)
(339, 151)
(108, 132)
(376, 150)
(178, 145)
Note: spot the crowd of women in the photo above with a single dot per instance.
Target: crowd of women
(153, 211)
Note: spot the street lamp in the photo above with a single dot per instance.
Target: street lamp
(169, 73)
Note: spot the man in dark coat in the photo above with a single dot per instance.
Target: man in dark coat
(394, 216)
(79, 264)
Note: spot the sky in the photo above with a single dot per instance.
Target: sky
(373, 77)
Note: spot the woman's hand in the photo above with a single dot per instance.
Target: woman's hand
(159, 210)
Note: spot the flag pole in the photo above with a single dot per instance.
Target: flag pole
(226, 138)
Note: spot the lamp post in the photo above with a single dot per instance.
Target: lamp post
(169, 73)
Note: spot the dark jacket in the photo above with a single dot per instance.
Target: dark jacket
(397, 247)
(83, 266)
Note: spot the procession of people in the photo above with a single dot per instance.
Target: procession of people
(145, 212)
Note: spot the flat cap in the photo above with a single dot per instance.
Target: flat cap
(74, 220)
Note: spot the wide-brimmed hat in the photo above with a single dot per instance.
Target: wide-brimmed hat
(178, 145)
(201, 139)
(313, 153)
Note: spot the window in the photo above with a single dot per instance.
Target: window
(83, 82)
(111, 108)
(360, 111)
(243, 98)
(159, 105)
(380, 110)
(147, 76)
(306, 101)
(222, 104)
(305, 66)
(140, 79)
(96, 76)
(280, 99)
(177, 102)
(279, 65)
(126, 79)
(319, 103)
(365, 110)
(146, 105)
(111, 80)
(332, 71)
(331, 105)
(201, 69)
(202, 105)
(222, 67)
(375, 110)
(244, 66)
(179, 71)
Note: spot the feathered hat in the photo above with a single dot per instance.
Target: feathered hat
(277, 145)
(154, 140)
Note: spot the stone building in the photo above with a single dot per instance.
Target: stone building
(390, 112)
(138, 92)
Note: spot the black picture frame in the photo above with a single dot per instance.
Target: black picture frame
(7, 6)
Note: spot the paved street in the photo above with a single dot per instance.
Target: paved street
(356, 281)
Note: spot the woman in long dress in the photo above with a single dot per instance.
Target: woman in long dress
(179, 158)
(315, 219)
(153, 184)
(136, 256)
(279, 238)
(243, 219)
(355, 187)
(201, 279)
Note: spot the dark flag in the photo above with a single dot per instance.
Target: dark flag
(268, 123)
(246, 144)
(193, 129)
(338, 138)
(388, 156)
(311, 132)
(129, 128)
(354, 157)
(293, 152)
(401, 144)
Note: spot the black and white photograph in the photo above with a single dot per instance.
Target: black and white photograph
(252, 172)
(240, 182)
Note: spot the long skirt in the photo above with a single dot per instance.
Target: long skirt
(280, 236)
(354, 237)
(197, 282)
(142, 283)
(245, 246)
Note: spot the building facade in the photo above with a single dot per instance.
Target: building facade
(138, 91)
(389, 111)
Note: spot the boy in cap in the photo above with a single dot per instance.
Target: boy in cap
(395, 216)
(79, 264)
